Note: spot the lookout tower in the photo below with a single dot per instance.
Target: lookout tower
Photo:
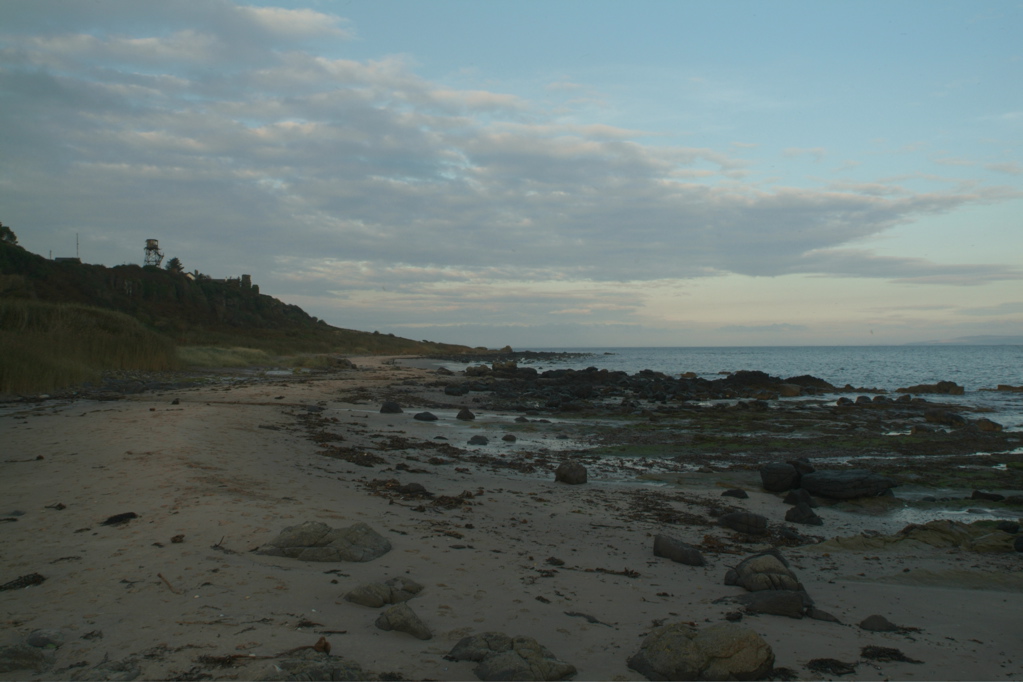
(154, 256)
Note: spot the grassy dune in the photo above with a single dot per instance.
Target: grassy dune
(46, 346)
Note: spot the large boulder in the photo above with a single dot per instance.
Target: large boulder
(500, 657)
(678, 551)
(778, 477)
(726, 651)
(764, 571)
(316, 541)
(846, 484)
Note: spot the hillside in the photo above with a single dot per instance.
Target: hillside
(192, 311)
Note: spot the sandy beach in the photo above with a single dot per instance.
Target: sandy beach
(216, 471)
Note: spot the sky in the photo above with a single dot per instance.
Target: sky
(539, 174)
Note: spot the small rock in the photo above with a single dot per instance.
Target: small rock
(778, 477)
(572, 473)
(500, 657)
(878, 623)
(46, 639)
(802, 513)
(403, 619)
(678, 551)
(736, 493)
(390, 407)
(790, 603)
(478, 440)
(990, 497)
(425, 417)
(798, 496)
(465, 414)
(764, 571)
(316, 541)
(509, 438)
(745, 522)
(393, 591)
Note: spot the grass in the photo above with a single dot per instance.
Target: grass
(210, 356)
(47, 346)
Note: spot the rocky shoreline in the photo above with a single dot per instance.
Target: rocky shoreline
(397, 522)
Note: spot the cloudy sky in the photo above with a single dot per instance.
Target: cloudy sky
(570, 173)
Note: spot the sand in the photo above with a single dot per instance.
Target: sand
(228, 466)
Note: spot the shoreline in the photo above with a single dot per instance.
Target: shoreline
(229, 466)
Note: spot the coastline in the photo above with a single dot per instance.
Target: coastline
(227, 467)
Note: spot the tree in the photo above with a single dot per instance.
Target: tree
(174, 265)
(7, 235)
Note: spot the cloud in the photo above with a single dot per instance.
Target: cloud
(763, 328)
(1011, 168)
(1008, 308)
(815, 153)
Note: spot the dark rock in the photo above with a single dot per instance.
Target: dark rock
(1010, 527)
(802, 465)
(799, 496)
(985, 424)
(22, 657)
(425, 417)
(46, 639)
(118, 519)
(724, 651)
(390, 407)
(802, 513)
(830, 666)
(745, 522)
(846, 484)
(778, 477)
(789, 603)
(572, 473)
(737, 493)
(478, 440)
(456, 390)
(843, 401)
(943, 387)
(1017, 544)
(500, 657)
(878, 623)
(990, 497)
(765, 571)
(465, 414)
(945, 418)
(678, 551)
(863, 400)
(402, 618)
(22, 581)
(414, 489)
(509, 438)
(393, 591)
(316, 541)
(816, 614)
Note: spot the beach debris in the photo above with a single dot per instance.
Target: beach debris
(390, 407)
(500, 657)
(678, 551)
(847, 483)
(724, 651)
(402, 618)
(465, 414)
(392, 591)
(60, 506)
(736, 493)
(765, 571)
(802, 513)
(777, 477)
(23, 656)
(177, 539)
(425, 417)
(830, 666)
(27, 580)
(120, 519)
(316, 541)
(745, 522)
(885, 654)
(588, 618)
(572, 473)
(167, 583)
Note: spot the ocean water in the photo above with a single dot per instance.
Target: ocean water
(976, 368)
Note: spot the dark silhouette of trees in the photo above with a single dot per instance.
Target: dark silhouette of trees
(7, 235)
(174, 265)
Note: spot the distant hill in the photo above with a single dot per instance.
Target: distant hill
(192, 311)
(989, 340)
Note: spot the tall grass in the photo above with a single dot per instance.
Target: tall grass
(46, 346)
(209, 356)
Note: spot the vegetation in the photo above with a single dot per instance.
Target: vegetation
(119, 315)
(45, 346)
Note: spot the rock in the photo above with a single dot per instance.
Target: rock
(46, 639)
(990, 497)
(778, 477)
(846, 484)
(500, 657)
(790, 390)
(403, 619)
(393, 591)
(316, 541)
(745, 522)
(478, 440)
(678, 551)
(456, 390)
(816, 614)
(725, 651)
(944, 387)
(802, 465)
(509, 438)
(572, 473)
(22, 657)
(1010, 527)
(878, 623)
(764, 571)
(985, 424)
(789, 603)
(799, 496)
(1017, 544)
(390, 407)
(737, 493)
(425, 417)
(802, 513)
(465, 414)
(945, 418)
(308, 664)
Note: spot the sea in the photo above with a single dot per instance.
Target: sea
(980, 369)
